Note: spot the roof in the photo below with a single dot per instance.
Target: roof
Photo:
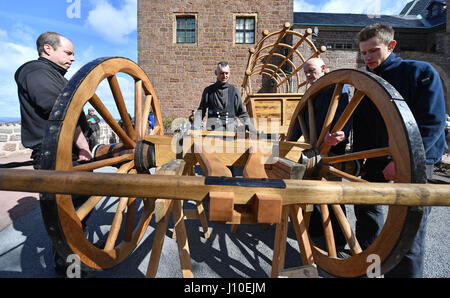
(415, 7)
(418, 7)
(354, 20)
(415, 14)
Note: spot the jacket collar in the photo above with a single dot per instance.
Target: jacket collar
(221, 85)
(58, 68)
(391, 61)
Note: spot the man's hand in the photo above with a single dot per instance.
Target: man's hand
(334, 138)
(389, 171)
(84, 153)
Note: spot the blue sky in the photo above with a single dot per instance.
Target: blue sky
(100, 28)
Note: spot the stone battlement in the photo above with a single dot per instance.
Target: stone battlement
(10, 141)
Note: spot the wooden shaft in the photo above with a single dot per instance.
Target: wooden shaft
(194, 188)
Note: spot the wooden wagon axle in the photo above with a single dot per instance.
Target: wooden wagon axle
(197, 188)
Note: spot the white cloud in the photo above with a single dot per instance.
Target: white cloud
(371, 7)
(114, 24)
(14, 54)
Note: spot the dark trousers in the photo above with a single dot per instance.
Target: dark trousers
(412, 263)
(316, 227)
(369, 222)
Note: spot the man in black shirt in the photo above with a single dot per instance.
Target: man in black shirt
(39, 82)
(223, 103)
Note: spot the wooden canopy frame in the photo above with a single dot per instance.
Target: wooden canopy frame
(268, 59)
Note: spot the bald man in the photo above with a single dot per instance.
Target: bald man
(314, 69)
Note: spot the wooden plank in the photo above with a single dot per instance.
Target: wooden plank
(211, 165)
(254, 167)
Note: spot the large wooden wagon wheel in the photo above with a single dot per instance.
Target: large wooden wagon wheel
(63, 222)
(405, 148)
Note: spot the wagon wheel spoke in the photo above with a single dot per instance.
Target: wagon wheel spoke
(356, 155)
(312, 122)
(301, 121)
(104, 163)
(330, 113)
(129, 221)
(120, 103)
(138, 108)
(147, 107)
(109, 119)
(116, 224)
(90, 204)
(328, 231)
(345, 117)
(332, 170)
(346, 229)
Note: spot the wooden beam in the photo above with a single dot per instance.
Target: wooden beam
(194, 188)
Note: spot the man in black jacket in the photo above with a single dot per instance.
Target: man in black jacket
(39, 82)
(223, 103)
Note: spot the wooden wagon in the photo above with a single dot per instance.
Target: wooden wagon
(280, 182)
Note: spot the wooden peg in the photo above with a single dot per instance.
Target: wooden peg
(267, 208)
(221, 205)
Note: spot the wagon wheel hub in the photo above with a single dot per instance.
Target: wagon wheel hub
(144, 156)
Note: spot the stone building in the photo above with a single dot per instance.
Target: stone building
(180, 42)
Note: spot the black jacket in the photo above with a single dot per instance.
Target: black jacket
(39, 83)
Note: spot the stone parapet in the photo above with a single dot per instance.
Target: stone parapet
(10, 140)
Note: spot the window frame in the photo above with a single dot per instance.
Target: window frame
(245, 16)
(175, 28)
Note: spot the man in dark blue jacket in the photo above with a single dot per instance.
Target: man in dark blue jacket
(420, 86)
